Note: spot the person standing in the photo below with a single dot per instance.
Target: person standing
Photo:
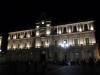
(43, 66)
(35, 66)
(91, 65)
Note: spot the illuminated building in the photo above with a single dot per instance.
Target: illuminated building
(74, 41)
(0, 41)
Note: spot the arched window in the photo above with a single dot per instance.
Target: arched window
(55, 42)
(42, 43)
(55, 30)
(64, 29)
(75, 42)
(85, 27)
(25, 45)
(18, 45)
(87, 41)
(74, 29)
(11, 46)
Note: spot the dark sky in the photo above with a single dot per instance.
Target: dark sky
(22, 14)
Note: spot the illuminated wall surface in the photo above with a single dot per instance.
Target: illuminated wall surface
(78, 37)
(0, 41)
(81, 33)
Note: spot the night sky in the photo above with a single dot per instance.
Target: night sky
(20, 15)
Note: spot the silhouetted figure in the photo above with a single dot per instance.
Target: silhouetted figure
(69, 62)
(84, 63)
(15, 64)
(43, 66)
(98, 63)
(91, 65)
(35, 66)
(11, 65)
(27, 66)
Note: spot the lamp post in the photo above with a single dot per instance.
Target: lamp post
(65, 46)
(43, 55)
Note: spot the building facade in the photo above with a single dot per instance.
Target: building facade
(74, 41)
(0, 41)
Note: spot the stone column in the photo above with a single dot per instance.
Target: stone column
(83, 27)
(69, 29)
(23, 34)
(62, 28)
(72, 29)
(26, 33)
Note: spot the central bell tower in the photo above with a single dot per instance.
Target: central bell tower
(42, 30)
(43, 21)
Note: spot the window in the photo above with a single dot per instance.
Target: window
(12, 46)
(33, 44)
(76, 41)
(25, 45)
(42, 43)
(18, 45)
(55, 30)
(85, 27)
(74, 29)
(87, 41)
(64, 29)
(55, 42)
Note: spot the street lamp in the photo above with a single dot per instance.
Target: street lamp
(66, 51)
(65, 46)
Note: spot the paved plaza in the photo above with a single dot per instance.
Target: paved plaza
(51, 69)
